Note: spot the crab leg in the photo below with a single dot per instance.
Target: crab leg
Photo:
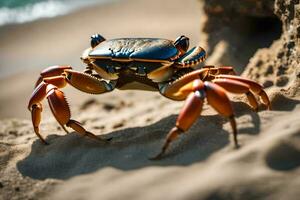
(187, 116)
(51, 71)
(216, 82)
(174, 90)
(216, 97)
(36, 115)
(238, 87)
(220, 70)
(61, 111)
(48, 88)
(254, 87)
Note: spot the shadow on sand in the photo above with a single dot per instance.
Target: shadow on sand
(130, 148)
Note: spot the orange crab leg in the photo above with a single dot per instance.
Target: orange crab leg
(38, 95)
(187, 116)
(174, 90)
(59, 108)
(51, 71)
(36, 107)
(254, 87)
(220, 70)
(57, 102)
(61, 111)
(36, 115)
(238, 87)
(216, 97)
(40, 91)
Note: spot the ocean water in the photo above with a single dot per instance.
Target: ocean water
(20, 11)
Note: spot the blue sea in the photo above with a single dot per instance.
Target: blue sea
(20, 11)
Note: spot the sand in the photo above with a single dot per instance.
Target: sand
(202, 164)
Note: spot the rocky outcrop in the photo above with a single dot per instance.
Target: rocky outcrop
(261, 38)
(280, 64)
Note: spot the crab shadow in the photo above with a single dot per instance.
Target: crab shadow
(71, 155)
(130, 148)
(282, 103)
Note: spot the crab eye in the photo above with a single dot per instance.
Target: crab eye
(182, 44)
(96, 39)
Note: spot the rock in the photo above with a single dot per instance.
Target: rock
(248, 29)
(284, 54)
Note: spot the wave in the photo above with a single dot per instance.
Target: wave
(44, 9)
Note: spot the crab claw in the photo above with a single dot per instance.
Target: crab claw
(193, 57)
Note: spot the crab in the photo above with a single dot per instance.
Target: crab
(152, 64)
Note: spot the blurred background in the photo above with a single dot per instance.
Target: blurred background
(35, 34)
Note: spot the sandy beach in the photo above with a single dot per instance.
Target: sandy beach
(202, 164)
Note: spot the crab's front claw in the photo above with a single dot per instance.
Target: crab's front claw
(49, 88)
(87, 83)
(58, 105)
(192, 57)
(61, 112)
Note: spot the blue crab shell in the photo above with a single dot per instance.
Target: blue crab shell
(136, 49)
